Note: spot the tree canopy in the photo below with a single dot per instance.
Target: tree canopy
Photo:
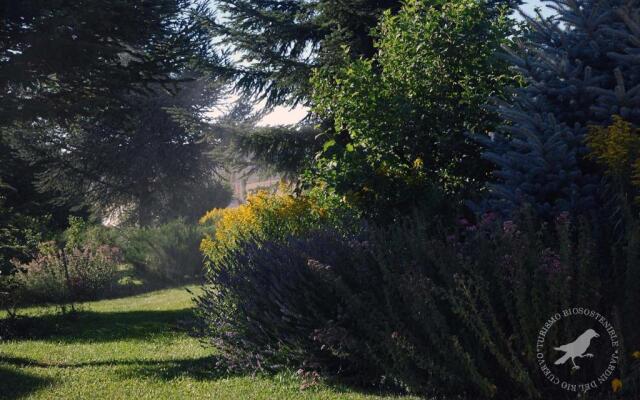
(107, 97)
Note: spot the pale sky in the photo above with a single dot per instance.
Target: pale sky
(529, 6)
(284, 116)
(287, 116)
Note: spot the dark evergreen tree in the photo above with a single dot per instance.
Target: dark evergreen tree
(580, 68)
(99, 95)
(18, 188)
(148, 162)
(60, 59)
(27, 215)
(285, 150)
(280, 42)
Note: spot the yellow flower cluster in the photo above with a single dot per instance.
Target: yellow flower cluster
(617, 148)
(616, 385)
(263, 216)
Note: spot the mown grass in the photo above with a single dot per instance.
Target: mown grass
(132, 348)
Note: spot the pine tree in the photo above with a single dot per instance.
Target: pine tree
(280, 42)
(102, 97)
(60, 59)
(150, 159)
(580, 69)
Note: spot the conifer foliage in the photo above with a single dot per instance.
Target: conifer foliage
(580, 69)
(280, 42)
(104, 100)
(59, 59)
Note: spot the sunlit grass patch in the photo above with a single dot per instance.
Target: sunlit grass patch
(131, 348)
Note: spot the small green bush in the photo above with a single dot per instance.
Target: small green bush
(10, 295)
(168, 252)
(19, 236)
(81, 232)
(164, 253)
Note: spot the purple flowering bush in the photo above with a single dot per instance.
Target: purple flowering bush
(458, 313)
(433, 311)
(63, 275)
(269, 305)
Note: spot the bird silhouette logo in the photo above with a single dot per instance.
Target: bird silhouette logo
(577, 349)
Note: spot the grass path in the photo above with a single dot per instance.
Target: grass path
(130, 348)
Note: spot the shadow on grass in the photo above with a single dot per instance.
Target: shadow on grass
(203, 368)
(96, 327)
(15, 384)
(89, 326)
(148, 283)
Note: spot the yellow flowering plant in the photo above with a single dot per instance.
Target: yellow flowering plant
(616, 385)
(264, 216)
(617, 148)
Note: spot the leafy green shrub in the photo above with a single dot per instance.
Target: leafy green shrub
(64, 275)
(169, 252)
(10, 299)
(81, 232)
(440, 315)
(10, 294)
(400, 119)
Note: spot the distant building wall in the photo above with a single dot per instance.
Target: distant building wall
(244, 184)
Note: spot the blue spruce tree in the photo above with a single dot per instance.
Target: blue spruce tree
(580, 67)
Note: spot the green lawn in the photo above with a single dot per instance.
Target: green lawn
(132, 348)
